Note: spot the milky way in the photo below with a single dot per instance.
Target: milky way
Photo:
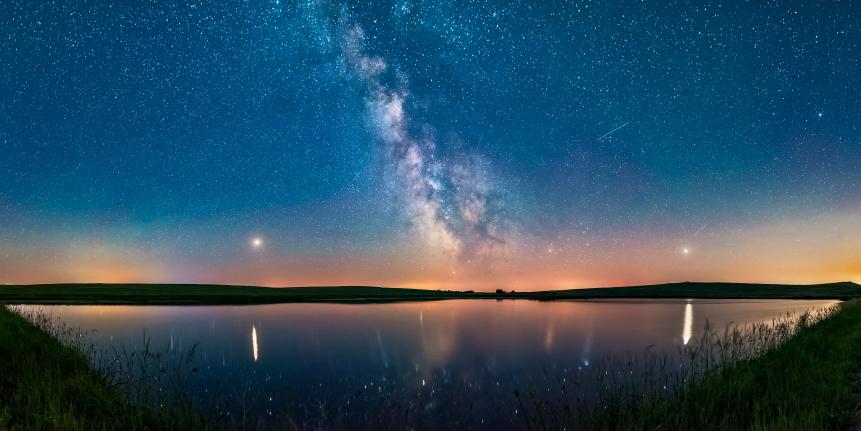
(449, 201)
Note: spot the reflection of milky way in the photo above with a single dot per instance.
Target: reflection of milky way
(450, 203)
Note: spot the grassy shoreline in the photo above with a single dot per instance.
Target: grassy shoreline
(48, 385)
(196, 294)
(808, 383)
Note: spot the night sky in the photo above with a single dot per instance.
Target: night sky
(444, 144)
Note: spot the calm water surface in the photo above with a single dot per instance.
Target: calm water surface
(355, 360)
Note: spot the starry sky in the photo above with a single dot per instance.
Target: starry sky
(440, 144)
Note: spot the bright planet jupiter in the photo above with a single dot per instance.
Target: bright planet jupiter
(443, 144)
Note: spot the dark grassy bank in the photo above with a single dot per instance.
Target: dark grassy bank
(842, 290)
(809, 383)
(190, 294)
(45, 385)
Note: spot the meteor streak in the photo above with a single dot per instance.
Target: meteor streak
(611, 132)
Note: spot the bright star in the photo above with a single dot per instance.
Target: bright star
(257, 243)
(686, 251)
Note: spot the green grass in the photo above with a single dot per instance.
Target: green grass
(194, 294)
(808, 383)
(46, 385)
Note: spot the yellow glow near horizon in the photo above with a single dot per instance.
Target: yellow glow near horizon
(810, 249)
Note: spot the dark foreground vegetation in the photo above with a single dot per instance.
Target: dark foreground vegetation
(806, 383)
(199, 294)
(49, 385)
(794, 374)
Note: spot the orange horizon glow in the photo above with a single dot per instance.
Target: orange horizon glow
(816, 249)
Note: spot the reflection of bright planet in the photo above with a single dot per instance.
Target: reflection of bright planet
(255, 352)
(687, 327)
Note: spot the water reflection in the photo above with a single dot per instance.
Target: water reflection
(549, 336)
(464, 353)
(688, 325)
(255, 352)
(586, 350)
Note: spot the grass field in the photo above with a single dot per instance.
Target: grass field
(191, 294)
(46, 385)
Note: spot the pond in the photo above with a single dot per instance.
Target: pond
(454, 363)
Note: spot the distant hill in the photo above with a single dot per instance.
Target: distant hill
(687, 289)
(191, 294)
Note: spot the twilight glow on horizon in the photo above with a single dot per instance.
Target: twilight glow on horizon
(446, 144)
